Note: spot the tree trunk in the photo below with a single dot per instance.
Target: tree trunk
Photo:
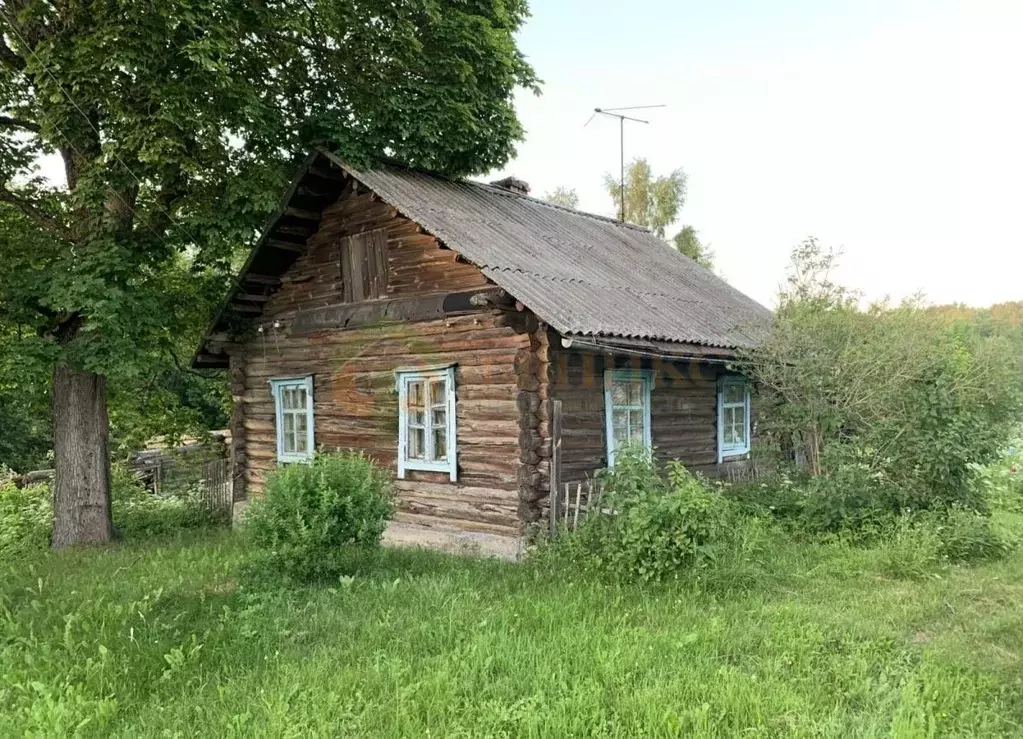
(81, 484)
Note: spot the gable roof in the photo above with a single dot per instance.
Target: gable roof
(583, 274)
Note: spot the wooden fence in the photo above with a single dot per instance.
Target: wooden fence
(170, 472)
(574, 503)
(217, 489)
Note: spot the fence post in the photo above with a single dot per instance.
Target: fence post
(554, 418)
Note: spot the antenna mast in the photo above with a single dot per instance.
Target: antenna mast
(615, 113)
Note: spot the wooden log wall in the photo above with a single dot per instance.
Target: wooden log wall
(683, 412)
(532, 374)
(354, 394)
(238, 441)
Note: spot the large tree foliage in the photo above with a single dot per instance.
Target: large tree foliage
(173, 123)
(655, 202)
(890, 396)
(566, 197)
(688, 242)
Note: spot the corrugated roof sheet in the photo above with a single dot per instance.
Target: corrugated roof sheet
(581, 273)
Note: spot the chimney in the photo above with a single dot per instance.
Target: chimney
(513, 184)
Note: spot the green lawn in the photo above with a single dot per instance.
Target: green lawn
(159, 640)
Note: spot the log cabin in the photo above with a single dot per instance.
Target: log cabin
(440, 326)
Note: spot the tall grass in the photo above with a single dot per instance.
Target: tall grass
(818, 639)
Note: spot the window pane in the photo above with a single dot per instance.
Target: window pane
(416, 443)
(438, 418)
(636, 425)
(440, 443)
(620, 426)
(735, 393)
(293, 398)
(619, 393)
(729, 435)
(415, 394)
(438, 393)
(635, 394)
(301, 440)
(288, 433)
(739, 432)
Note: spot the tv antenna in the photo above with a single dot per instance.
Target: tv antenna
(616, 113)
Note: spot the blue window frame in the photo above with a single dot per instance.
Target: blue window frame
(293, 416)
(627, 409)
(733, 416)
(427, 438)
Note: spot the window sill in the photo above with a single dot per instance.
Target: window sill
(732, 455)
(427, 467)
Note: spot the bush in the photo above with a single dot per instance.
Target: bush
(139, 514)
(310, 514)
(1002, 482)
(852, 495)
(661, 524)
(913, 544)
(968, 536)
(781, 495)
(26, 518)
(26, 514)
(920, 403)
(910, 548)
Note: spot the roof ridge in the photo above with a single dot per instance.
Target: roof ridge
(396, 164)
(554, 206)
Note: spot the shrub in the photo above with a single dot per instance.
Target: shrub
(910, 548)
(781, 495)
(26, 518)
(913, 544)
(1002, 481)
(310, 514)
(139, 514)
(852, 495)
(26, 514)
(661, 524)
(892, 387)
(969, 536)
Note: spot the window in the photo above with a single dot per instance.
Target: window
(426, 421)
(627, 409)
(364, 266)
(733, 417)
(293, 404)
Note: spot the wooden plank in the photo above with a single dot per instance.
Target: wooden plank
(350, 315)
(555, 414)
(379, 266)
(285, 245)
(242, 308)
(257, 279)
(309, 215)
(295, 230)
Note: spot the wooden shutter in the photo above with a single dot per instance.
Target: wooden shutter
(364, 266)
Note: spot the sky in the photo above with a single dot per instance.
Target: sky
(889, 129)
